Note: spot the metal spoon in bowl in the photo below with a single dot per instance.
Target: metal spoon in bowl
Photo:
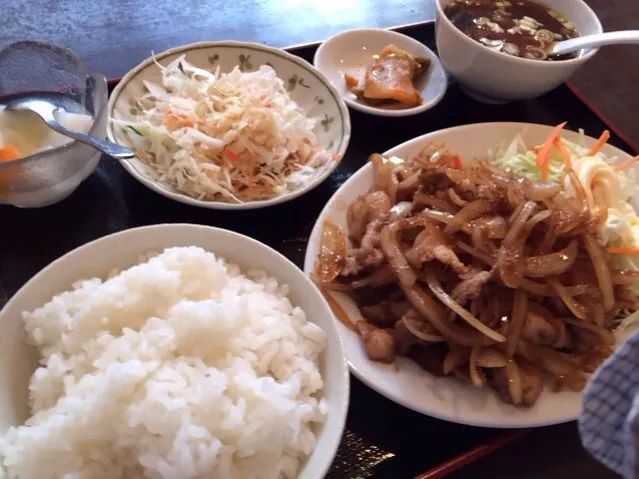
(594, 41)
(46, 112)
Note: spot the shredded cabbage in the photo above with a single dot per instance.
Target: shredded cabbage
(230, 137)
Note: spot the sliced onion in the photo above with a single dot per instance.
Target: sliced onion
(491, 358)
(510, 256)
(395, 256)
(381, 171)
(416, 327)
(486, 258)
(537, 218)
(469, 212)
(597, 314)
(402, 209)
(552, 264)
(332, 253)
(602, 271)
(494, 227)
(539, 289)
(515, 387)
(625, 277)
(455, 198)
(517, 321)
(435, 287)
(433, 312)
(337, 309)
(476, 375)
(573, 305)
(379, 277)
(607, 337)
(540, 191)
(558, 364)
(519, 223)
(547, 242)
(410, 183)
(456, 357)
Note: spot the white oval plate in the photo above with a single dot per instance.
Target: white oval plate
(351, 51)
(306, 85)
(121, 250)
(405, 382)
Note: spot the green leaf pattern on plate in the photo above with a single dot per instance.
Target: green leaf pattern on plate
(133, 107)
(214, 58)
(327, 122)
(294, 81)
(245, 63)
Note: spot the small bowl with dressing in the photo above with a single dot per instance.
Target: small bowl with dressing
(496, 49)
(38, 166)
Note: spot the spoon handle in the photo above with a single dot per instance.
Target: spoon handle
(598, 40)
(114, 150)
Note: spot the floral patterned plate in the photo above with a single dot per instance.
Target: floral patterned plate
(306, 85)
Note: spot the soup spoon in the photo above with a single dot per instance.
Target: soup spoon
(594, 41)
(46, 110)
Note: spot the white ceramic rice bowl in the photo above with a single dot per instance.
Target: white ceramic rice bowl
(122, 250)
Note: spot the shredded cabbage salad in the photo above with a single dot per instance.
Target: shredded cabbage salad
(231, 137)
(605, 187)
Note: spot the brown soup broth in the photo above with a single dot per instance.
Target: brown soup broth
(523, 28)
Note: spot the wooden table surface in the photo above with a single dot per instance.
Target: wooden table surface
(114, 36)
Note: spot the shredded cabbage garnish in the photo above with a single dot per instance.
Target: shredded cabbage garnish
(231, 137)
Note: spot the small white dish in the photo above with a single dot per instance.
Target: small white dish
(122, 250)
(495, 77)
(404, 382)
(351, 51)
(307, 87)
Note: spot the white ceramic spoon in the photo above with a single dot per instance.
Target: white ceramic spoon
(594, 41)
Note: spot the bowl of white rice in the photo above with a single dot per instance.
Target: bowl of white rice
(170, 351)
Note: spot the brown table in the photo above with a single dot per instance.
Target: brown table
(114, 36)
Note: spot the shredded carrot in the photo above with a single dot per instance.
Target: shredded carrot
(564, 153)
(458, 162)
(336, 157)
(605, 136)
(8, 152)
(624, 250)
(544, 151)
(172, 117)
(232, 155)
(626, 164)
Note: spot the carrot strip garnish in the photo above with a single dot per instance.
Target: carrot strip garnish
(564, 153)
(605, 136)
(336, 157)
(172, 117)
(626, 164)
(232, 155)
(624, 250)
(458, 162)
(544, 150)
(8, 152)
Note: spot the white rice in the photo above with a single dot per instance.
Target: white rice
(179, 367)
